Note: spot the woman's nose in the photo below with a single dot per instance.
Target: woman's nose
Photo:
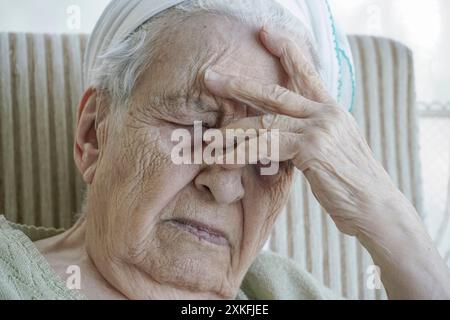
(225, 186)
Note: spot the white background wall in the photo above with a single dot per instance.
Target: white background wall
(48, 15)
(423, 25)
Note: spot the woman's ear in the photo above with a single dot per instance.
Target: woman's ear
(86, 148)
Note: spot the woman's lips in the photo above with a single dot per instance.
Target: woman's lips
(203, 232)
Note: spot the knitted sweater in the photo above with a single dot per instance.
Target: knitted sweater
(25, 274)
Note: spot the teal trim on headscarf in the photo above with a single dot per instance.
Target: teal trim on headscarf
(352, 75)
(342, 56)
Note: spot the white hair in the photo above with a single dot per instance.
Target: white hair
(123, 63)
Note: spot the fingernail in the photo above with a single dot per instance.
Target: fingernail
(267, 33)
(266, 29)
(211, 75)
(215, 82)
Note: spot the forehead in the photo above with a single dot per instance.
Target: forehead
(186, 50)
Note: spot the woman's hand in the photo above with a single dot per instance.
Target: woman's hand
(324, 142)
(319, 137)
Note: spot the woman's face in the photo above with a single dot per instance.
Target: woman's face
(144, 211)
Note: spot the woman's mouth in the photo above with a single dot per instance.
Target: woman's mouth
(201, 231)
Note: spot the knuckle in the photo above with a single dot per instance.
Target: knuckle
(336, 113)
(327, 125)
(233, 85)
(285, 122)
(319, 140)
(277, 93)
(298, 142)
(290, 49)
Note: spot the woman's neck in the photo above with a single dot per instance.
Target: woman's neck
(66, 254)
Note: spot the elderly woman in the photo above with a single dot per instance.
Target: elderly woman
(152, 229)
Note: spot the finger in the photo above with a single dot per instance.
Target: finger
(252, 127)
(302, 149)
(266, 98)
(302, 73)
(269, 122)
(263, 149)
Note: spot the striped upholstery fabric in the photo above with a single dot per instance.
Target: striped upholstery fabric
(385, 110)
(40, 88)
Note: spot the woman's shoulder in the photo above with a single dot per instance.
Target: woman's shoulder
(24, 272)
(273, 277)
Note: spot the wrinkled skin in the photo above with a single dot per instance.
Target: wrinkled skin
(135, 189)
(125, 245)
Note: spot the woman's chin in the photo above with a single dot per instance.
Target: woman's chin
(182, 259)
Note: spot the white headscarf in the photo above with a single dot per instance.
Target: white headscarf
(123, 17)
